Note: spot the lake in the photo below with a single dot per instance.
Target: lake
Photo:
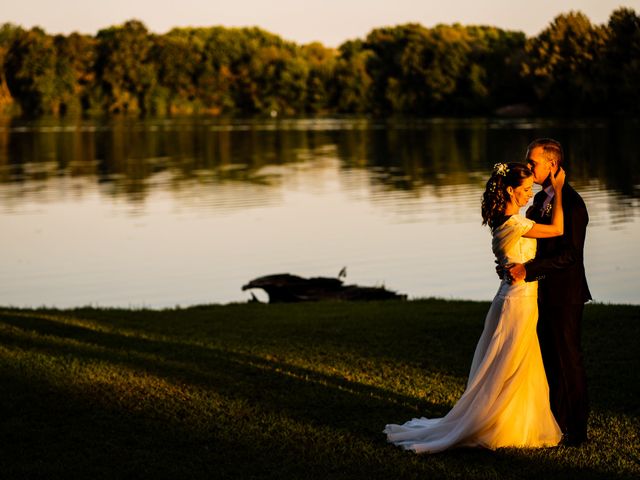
(183, 211)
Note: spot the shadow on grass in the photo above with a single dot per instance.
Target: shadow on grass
(417, 333)
(318, 397)
(274, 421)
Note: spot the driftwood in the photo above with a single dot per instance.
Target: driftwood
(286, 288)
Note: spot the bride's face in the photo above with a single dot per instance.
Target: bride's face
(523, 193)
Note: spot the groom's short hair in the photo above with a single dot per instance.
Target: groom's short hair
(551, 149)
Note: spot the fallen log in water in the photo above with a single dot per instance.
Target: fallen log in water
(287, 288)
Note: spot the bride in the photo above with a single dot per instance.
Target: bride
(506, 400)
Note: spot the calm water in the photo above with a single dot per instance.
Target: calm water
(185, 211)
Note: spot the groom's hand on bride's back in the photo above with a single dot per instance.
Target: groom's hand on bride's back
(511, 272)
(516, 272)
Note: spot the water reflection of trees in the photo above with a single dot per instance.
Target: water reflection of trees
(411, 155)
(126, 156)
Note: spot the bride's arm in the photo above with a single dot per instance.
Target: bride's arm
(556, 228)
(518, 271)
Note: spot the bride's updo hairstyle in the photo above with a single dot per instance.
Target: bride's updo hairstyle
(495, 196)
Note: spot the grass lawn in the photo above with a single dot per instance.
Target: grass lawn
(297, 391)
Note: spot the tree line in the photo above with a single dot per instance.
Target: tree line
(572, 67)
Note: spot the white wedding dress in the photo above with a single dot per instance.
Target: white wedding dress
(506, 401)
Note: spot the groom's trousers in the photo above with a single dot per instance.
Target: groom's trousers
(559, 332)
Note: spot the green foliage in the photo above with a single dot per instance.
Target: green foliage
(494, 70)
(277, 80)
(577, 67)
(563, 62)
(353, 84)
(75, 57)
(320, 88)
(279, 392)
(124, 67)
(30, 71)
(622, 61)
(7, 34)
(571, 67)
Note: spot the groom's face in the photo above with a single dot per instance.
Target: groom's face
(539, 165)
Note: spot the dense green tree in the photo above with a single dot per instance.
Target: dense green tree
(30, 70)
(75, 76)
(493, 79)
(562, 62)
(271, 74)
(216, 73)
(280, 75)
(384, 65)
(179, 56)
(321, 83)
(125, 69)
(84, 55)
(571, 67)
(621, 65)
(446, 69)
(433, 67)
(353, 84)
(7, 34)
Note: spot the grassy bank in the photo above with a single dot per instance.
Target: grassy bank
(279, 391)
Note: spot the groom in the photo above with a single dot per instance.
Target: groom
(562, 292)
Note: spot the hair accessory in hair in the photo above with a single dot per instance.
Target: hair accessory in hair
(501, 169)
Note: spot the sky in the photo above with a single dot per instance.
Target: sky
(330, 22)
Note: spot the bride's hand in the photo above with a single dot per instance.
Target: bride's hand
(557, 180)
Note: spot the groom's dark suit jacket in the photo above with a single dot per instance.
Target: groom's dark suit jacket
(559, 261)
(562, 291)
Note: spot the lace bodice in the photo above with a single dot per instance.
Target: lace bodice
(509, 246)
